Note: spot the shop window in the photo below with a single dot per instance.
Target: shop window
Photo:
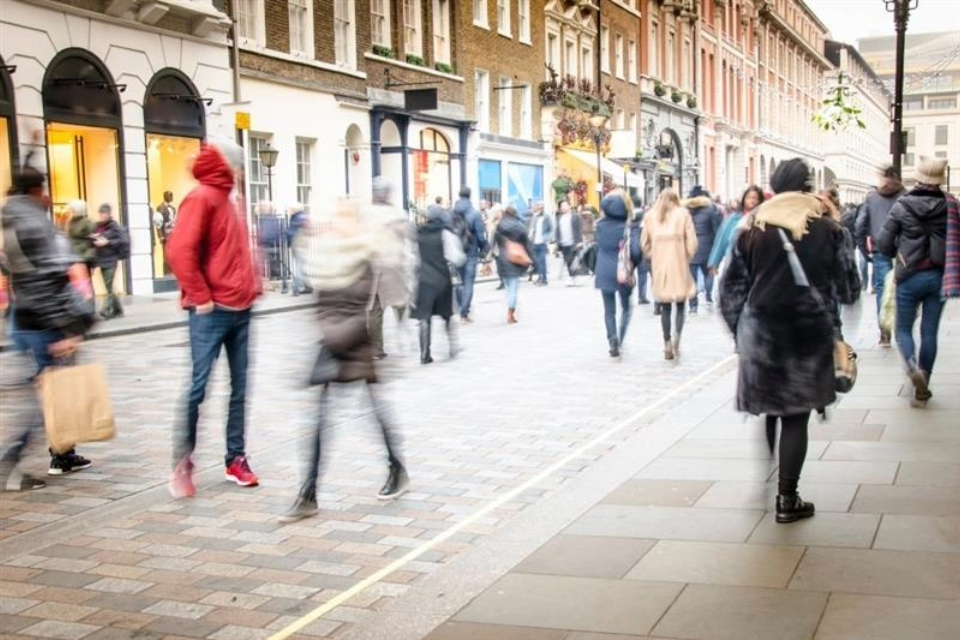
(431, 168)
(304, 158)
(490, 181)
(169, 179)
(524, 185)
(6, 166)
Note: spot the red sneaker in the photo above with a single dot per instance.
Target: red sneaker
(181, 482)
(239, 471)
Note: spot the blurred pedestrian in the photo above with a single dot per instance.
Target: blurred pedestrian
(541, 235)
(298, 221)
(493, 220)
(870, 221)
(343, 270)
(726, 237)
(392, 235)
(474, 241)
(915, 234)
(516, 255)
(569, 239)
(440, 251)
(669, 238)
(612, 231)
(643, 267)
(706, 220)
(81, 230)
(112, 245)
(789, 270)
(209, 253)
(49, 317)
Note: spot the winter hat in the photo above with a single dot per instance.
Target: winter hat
(791, 175)
(932, 170)
(105, 208)
(698, 191)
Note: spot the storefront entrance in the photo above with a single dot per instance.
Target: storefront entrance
(8, 129)
(431, 169)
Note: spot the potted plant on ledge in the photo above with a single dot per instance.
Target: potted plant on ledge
(676, 96)
(659, 89)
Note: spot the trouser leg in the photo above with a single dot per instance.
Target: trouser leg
(793, 451)
(375, 325)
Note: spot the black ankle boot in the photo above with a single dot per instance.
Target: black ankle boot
(304, 507)
(792, 508)
(396, 484)
(425, 342)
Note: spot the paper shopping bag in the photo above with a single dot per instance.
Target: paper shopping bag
(76, 405)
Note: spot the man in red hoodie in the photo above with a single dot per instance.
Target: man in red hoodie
(209, 253)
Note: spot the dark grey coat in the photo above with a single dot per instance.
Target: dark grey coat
(510, 228)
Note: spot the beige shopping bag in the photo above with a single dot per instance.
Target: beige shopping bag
(76, 405)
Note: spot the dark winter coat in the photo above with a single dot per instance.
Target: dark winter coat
(547, 223)
(915, 232)
(873, 214)
(80, 229)
(111, 253)
(784, 336)
(476, 243)
(434, 285)
(609, 234)
(510, 228)
(706, 222)
(38, 260)
(343, 322)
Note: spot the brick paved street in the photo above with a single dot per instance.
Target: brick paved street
(641, 534)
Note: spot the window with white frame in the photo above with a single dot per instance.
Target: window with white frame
(257, 173)
(481, 99)
(344, 33)
(503, 17)
(570, 62)
(300, 14)
(250, 20)
(480, 13)
(632, 122)
(553, 52)
(687, 80)
(605, 49)
(441, 31)
(412, 40)
(505, 106)
(523, 14)
(304, 157)
(654, 50)
(632, 60)
(618, 55)
(586, 64)
(380, 22)
(620, 119)
(669, 57)
(526, 111)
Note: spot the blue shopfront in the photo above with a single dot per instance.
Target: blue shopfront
(515, 183)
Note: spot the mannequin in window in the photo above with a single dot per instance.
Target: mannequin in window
(165, 217)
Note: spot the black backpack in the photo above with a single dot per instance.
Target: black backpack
(463, 230)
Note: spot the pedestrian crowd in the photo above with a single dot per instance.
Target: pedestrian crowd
(787, 261)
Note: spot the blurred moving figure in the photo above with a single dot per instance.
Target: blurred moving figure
(611, 231)
(298, 220)
(49, 318)
(915, 234)
(569, 238)
(511, 237)
(474, 240)
(81, 230)
(707, 216)
(785, 330)
(209, 253)
(341, 269)
(727, 236)
(392, 235)
(112, 245)
(670, 241)
(439, 249)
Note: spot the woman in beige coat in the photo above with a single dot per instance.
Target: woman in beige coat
(670, 240)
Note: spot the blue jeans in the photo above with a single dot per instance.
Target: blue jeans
(921, 290)
(643, 271)
(862, 260)
(209, 333)
(540, 258)
(468, 274)
(696, 269)
(512, 283)
(35, 345)
(615, 338)
(881, 267)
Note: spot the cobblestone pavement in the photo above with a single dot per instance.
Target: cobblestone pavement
(106, 553)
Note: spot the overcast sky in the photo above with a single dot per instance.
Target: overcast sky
(849, 20)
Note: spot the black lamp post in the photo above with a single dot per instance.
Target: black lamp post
(901, 15)
(268, 158)
(597, 123)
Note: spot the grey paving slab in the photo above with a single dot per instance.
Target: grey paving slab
(847, 472)
(706, 469)
(580, 604)
(894, 451)
(456, 630)
(907, 500)
(580, 635)
(824, 529)
(857, 617)
(919, 533)
(59, 629)
(669, 523)
(884, 573)
(755, 495)
(746, 565)
(829, 432)
(936, 474)
(742, 613)
(658, 493)
(921, 433)
(586, 556)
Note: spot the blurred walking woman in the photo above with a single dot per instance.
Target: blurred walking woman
(611, 230)
(783, 312)
(516, 256)
(670, 241)
(343, 279)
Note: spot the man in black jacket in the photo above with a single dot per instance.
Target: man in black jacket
(474, 238)
(48, 320)
(706, 220)
(112, 245)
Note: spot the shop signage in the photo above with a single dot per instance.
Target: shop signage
(242, 120)
(420, 99)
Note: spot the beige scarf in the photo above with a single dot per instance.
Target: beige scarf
(792, 211)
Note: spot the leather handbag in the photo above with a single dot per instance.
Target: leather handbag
(516, 253)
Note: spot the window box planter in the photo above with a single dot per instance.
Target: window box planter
(415, 60)
(443, 67)
(384, 52)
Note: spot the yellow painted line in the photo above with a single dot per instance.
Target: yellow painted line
(399, 563)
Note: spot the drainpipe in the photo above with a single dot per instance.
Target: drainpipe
(235, 50)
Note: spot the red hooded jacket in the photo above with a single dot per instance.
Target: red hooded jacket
(209, 249)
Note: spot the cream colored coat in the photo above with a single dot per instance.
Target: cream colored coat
(670, 245)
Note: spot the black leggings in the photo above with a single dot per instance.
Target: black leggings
(666, 310)
(793, 448)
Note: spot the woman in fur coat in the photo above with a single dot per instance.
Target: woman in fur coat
(785, 331)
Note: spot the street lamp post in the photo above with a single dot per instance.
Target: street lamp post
(901, 15)
(268, 159)
(597, 123)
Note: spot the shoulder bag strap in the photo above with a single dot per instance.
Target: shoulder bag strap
(799, 275)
